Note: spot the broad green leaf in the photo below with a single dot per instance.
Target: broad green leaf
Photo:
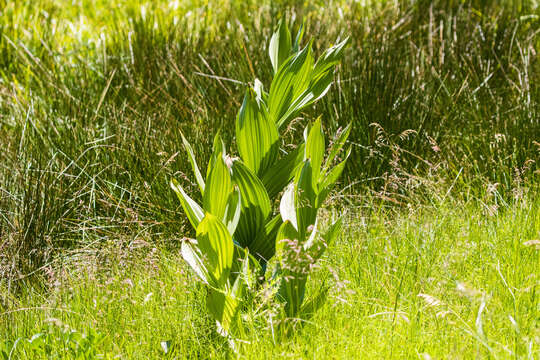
(245, 277)
(264, 245)
(293, 289)
(314, 92)
(193, 162)
(287, 208)
(315, 149)
(223, 306)
(333, 231)
(298, 38)
(217, 148)
(238, 286)
(218, 188)
(327, 183)
(291, 80)
(216, 246)
(320, 81)
(336, 147)
(256, 135)
(193, 211)
(322, 75)
(256, 205)
(305, 199)
(285, 235)
(280, 45)
(258, 87)
(313, 235)
(233, 210)
(317, 248)
(328, 60)
(192, 255)
(301, 101)
(239, 266)
(293, 278)
(282, 172)
(317, 89)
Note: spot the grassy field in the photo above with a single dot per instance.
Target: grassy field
(439, 258)
(447, 281)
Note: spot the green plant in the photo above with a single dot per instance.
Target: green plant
(237, 232)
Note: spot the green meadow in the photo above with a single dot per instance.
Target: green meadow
(438, 256)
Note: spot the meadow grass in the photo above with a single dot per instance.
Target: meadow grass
(448, 281)
(440, 192)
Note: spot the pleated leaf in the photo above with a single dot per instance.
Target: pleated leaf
(320, 78)
(193, 162)
(329, 180)
(287, 207)
(329, 236)
(256, 205)
(285, 234)
(293, 283)
(291, 80)
(233, 210)
(223, 306)
(282, 172)
(193, 211)
(336, 146)
(264, 245)
(218, 188)
(293, 290)
(294, 108)
(328, 60)
(310, 307)
(305, 199)
(317, 248)
(315, 149)
(323, 72)
(280, 46)
(216, 246)
(298, 38)
(315, 91)
(192, 255)
(217, 148)
(256, 135)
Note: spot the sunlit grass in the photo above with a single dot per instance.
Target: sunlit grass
(440, 282)
(444, 101)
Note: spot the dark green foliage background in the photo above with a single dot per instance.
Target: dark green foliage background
(90, 134)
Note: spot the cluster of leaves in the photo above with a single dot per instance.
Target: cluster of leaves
(237, 231)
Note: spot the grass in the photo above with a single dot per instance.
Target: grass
(439, 282)
(439, 192)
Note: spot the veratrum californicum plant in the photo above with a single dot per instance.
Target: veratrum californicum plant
(237, 232)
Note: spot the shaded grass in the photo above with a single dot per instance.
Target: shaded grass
(439, 282)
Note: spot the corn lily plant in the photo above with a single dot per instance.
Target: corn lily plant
(237, 230)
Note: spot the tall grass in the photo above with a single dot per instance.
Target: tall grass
(440, 191)
(439, 282)
(442, 94)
